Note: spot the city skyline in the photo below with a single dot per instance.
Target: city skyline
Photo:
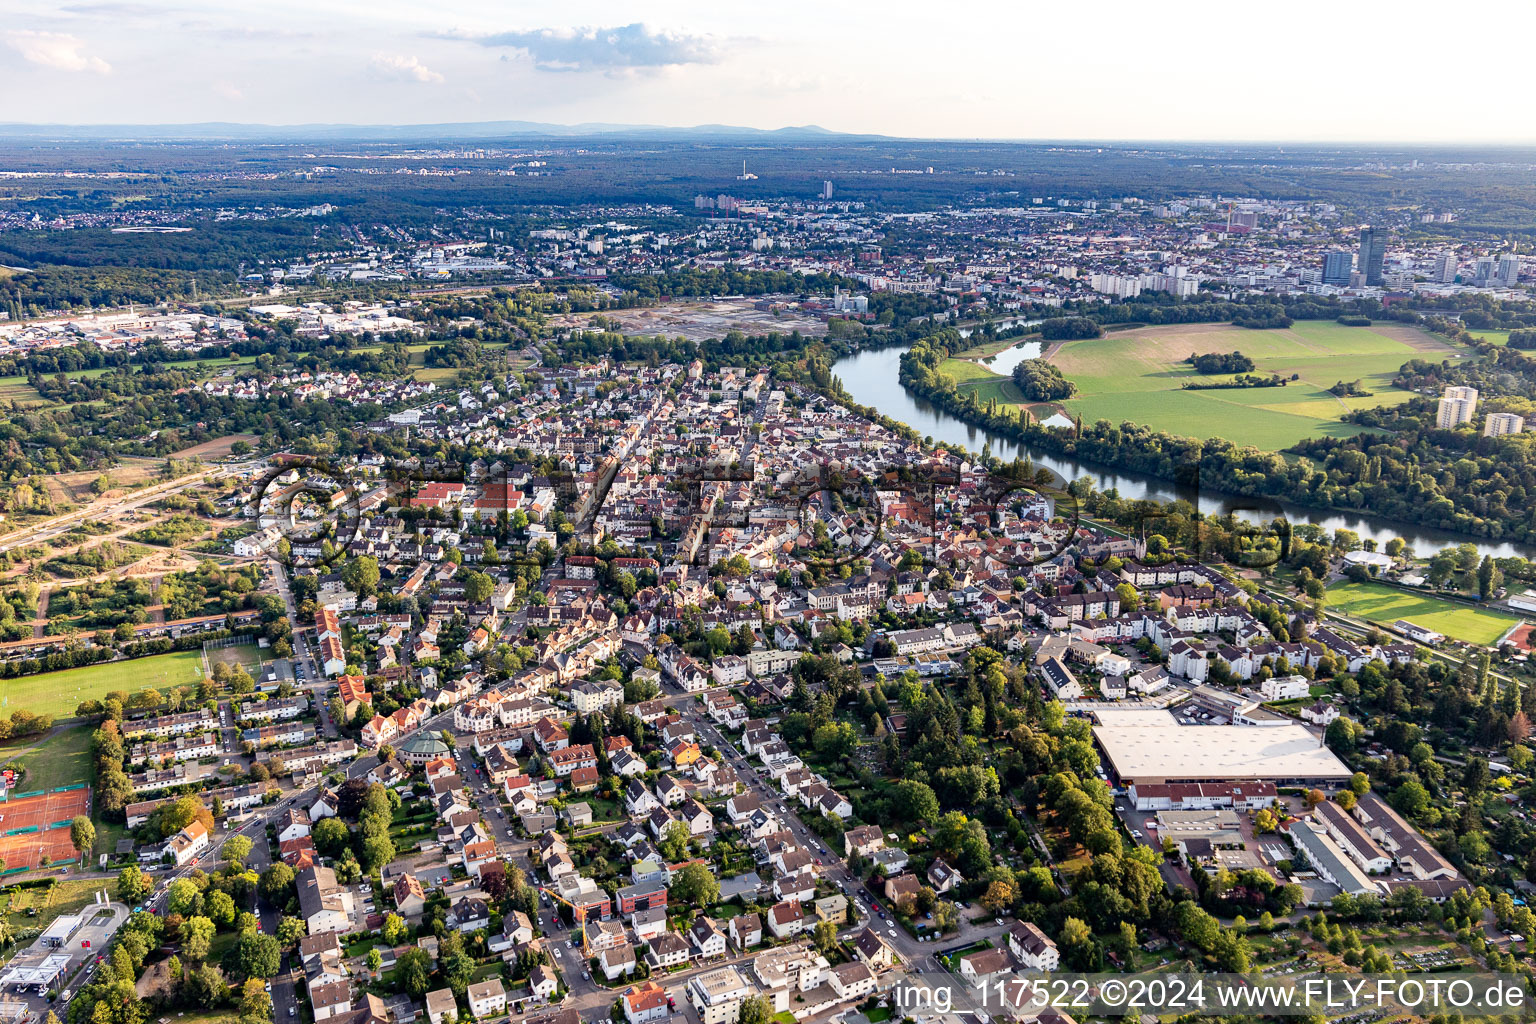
(1031, 75)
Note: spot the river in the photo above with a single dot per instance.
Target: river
(870, 377)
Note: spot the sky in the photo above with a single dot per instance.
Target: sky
(1356, 70)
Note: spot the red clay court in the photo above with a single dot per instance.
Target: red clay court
(26, 849)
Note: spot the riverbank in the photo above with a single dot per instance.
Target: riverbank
(870, 379)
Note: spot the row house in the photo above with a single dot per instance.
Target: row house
(171, 725)
(274, 710)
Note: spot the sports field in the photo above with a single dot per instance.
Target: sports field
(1137, 375)
(59, 693)
(1387, 604)
(38, 813)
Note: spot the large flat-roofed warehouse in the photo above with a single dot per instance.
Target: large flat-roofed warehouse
(1140, 750)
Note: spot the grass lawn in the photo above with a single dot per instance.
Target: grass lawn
(63, 759)
(248, 655)
(964, 371)
(1001, 388)
(66, 896)
(59, 693)
(1492, 337)
(1387, 604)
(1137, 375)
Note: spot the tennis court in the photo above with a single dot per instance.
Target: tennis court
(35, 826)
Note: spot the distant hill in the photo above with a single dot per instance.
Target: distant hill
(459, 130)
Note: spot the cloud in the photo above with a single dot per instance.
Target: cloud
(111, 9)
(622, 48)
(396, 66)
(57, 50)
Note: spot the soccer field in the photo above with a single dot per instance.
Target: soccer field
(59, 693)
(1387, 604)
(1138, 376)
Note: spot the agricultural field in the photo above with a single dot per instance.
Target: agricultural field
(16, 389)
(59, 693)
(1384, 604)
(215, 449)
(1137, 375)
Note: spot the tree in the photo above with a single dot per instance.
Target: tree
(290, 930)
(82, 834)
(1000, 895)
(184, 898)
(219, 907)
(478, 588)
(458, 968)
(375, 961)
(1075, 932)
(260, 955)
(394, 929)
(361, 575)
(330, 836)
(133, 884)
(1315, 797)
(825, 936)
(754, 1010)
(236, 849)
(255, 1003)
(378, 851)
(915, 801)
(1411, 799)
(695, 886)
(1489, 578)
(1360, 783)
(414, 969)
(197, 938)
(276, 884)
(674, 845)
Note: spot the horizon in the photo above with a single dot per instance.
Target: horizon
(703, 131)
(1031, 75)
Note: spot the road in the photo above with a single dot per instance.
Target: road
(833, 868)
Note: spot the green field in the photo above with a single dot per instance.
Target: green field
(66, 896)
(1493, 337)
(59, 693)
(62, 759)
(1387, 604)
(964, 371)
(1137, 376)
(16, 389)
(1001, 388)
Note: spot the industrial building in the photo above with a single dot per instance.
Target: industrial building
(1143, 750)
